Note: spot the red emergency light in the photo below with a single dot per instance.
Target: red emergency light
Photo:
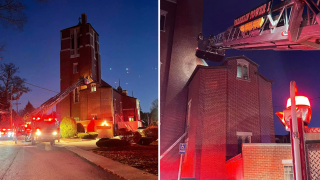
(300, 100)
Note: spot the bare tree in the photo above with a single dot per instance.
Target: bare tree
(11, 13)
(9, 78)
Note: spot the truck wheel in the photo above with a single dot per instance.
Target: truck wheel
(52, 142)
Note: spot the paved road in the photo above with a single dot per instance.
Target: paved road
(43, 161)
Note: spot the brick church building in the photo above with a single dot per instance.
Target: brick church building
(220, 107)
(98, 106)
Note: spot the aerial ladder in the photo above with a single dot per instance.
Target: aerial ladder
(290, 25)
(43, 108)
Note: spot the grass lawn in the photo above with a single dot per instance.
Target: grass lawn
(137, 156)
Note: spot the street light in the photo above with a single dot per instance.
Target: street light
(295, 119)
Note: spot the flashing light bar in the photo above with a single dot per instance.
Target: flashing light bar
(300, 100)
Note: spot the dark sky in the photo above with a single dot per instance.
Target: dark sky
(279, 66)
(128, 39)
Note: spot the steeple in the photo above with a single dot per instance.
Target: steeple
(119, 88)
(79, 21)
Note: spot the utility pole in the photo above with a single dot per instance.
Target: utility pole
(11, 109)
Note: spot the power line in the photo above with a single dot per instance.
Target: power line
(41, 87)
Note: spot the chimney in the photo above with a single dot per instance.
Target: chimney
(125, 92)
(84, 18)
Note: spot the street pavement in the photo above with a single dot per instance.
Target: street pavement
(43, 161)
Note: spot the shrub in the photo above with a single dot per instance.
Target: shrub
(111, 143)
(151, 131)
(68, 127)
(91, 135)
(80, 128)
(82, 135)
(122, 131)
(129, 136)
(136, 136)
(145, 140)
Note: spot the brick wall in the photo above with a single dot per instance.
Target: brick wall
(234, 168)
(188, 23)
(264, 161)
(243, 106)
(266, 111)
(206, 149)
(166, 38)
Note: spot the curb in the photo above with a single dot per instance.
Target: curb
(122, 170)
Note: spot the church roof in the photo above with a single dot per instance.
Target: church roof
(104, 84)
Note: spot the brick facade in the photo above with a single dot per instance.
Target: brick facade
(178, 61)
(264, 161)
(98, 101)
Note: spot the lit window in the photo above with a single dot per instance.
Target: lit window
(162, 22)
(288, 173)
(131, 119)
(239, 71)
(93, 88)
(75, 68)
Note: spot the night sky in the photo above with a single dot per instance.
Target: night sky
(279, 66)
(128, 39)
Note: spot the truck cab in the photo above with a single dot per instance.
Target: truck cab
(43, 130)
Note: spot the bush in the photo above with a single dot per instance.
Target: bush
(82, 135)
(68, 127)
(151, 131)
(145, 140)
(91, 135)
(129, 136)
(136, 136)
(111, 143)
(122, 131)
(80, 128)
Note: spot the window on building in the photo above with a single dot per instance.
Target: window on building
(239, 71)
(242, 72)
(188, 117)
(76, 118)
(131, 118)
(93, 87)
(245, 72)
(288, 173)
(75, 68)
(76, 95)
(78, 40)
(72, 40)
(162, 22)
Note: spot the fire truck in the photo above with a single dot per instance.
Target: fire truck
(288, 25)
(6, 133)
(39, 128)
(42, 130)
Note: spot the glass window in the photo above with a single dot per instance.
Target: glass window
(76, 95)
(93, 88)
(72, 41)
(75, 68)
(288, 173)
(162, 22)
(239, 71)
(245, 72)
